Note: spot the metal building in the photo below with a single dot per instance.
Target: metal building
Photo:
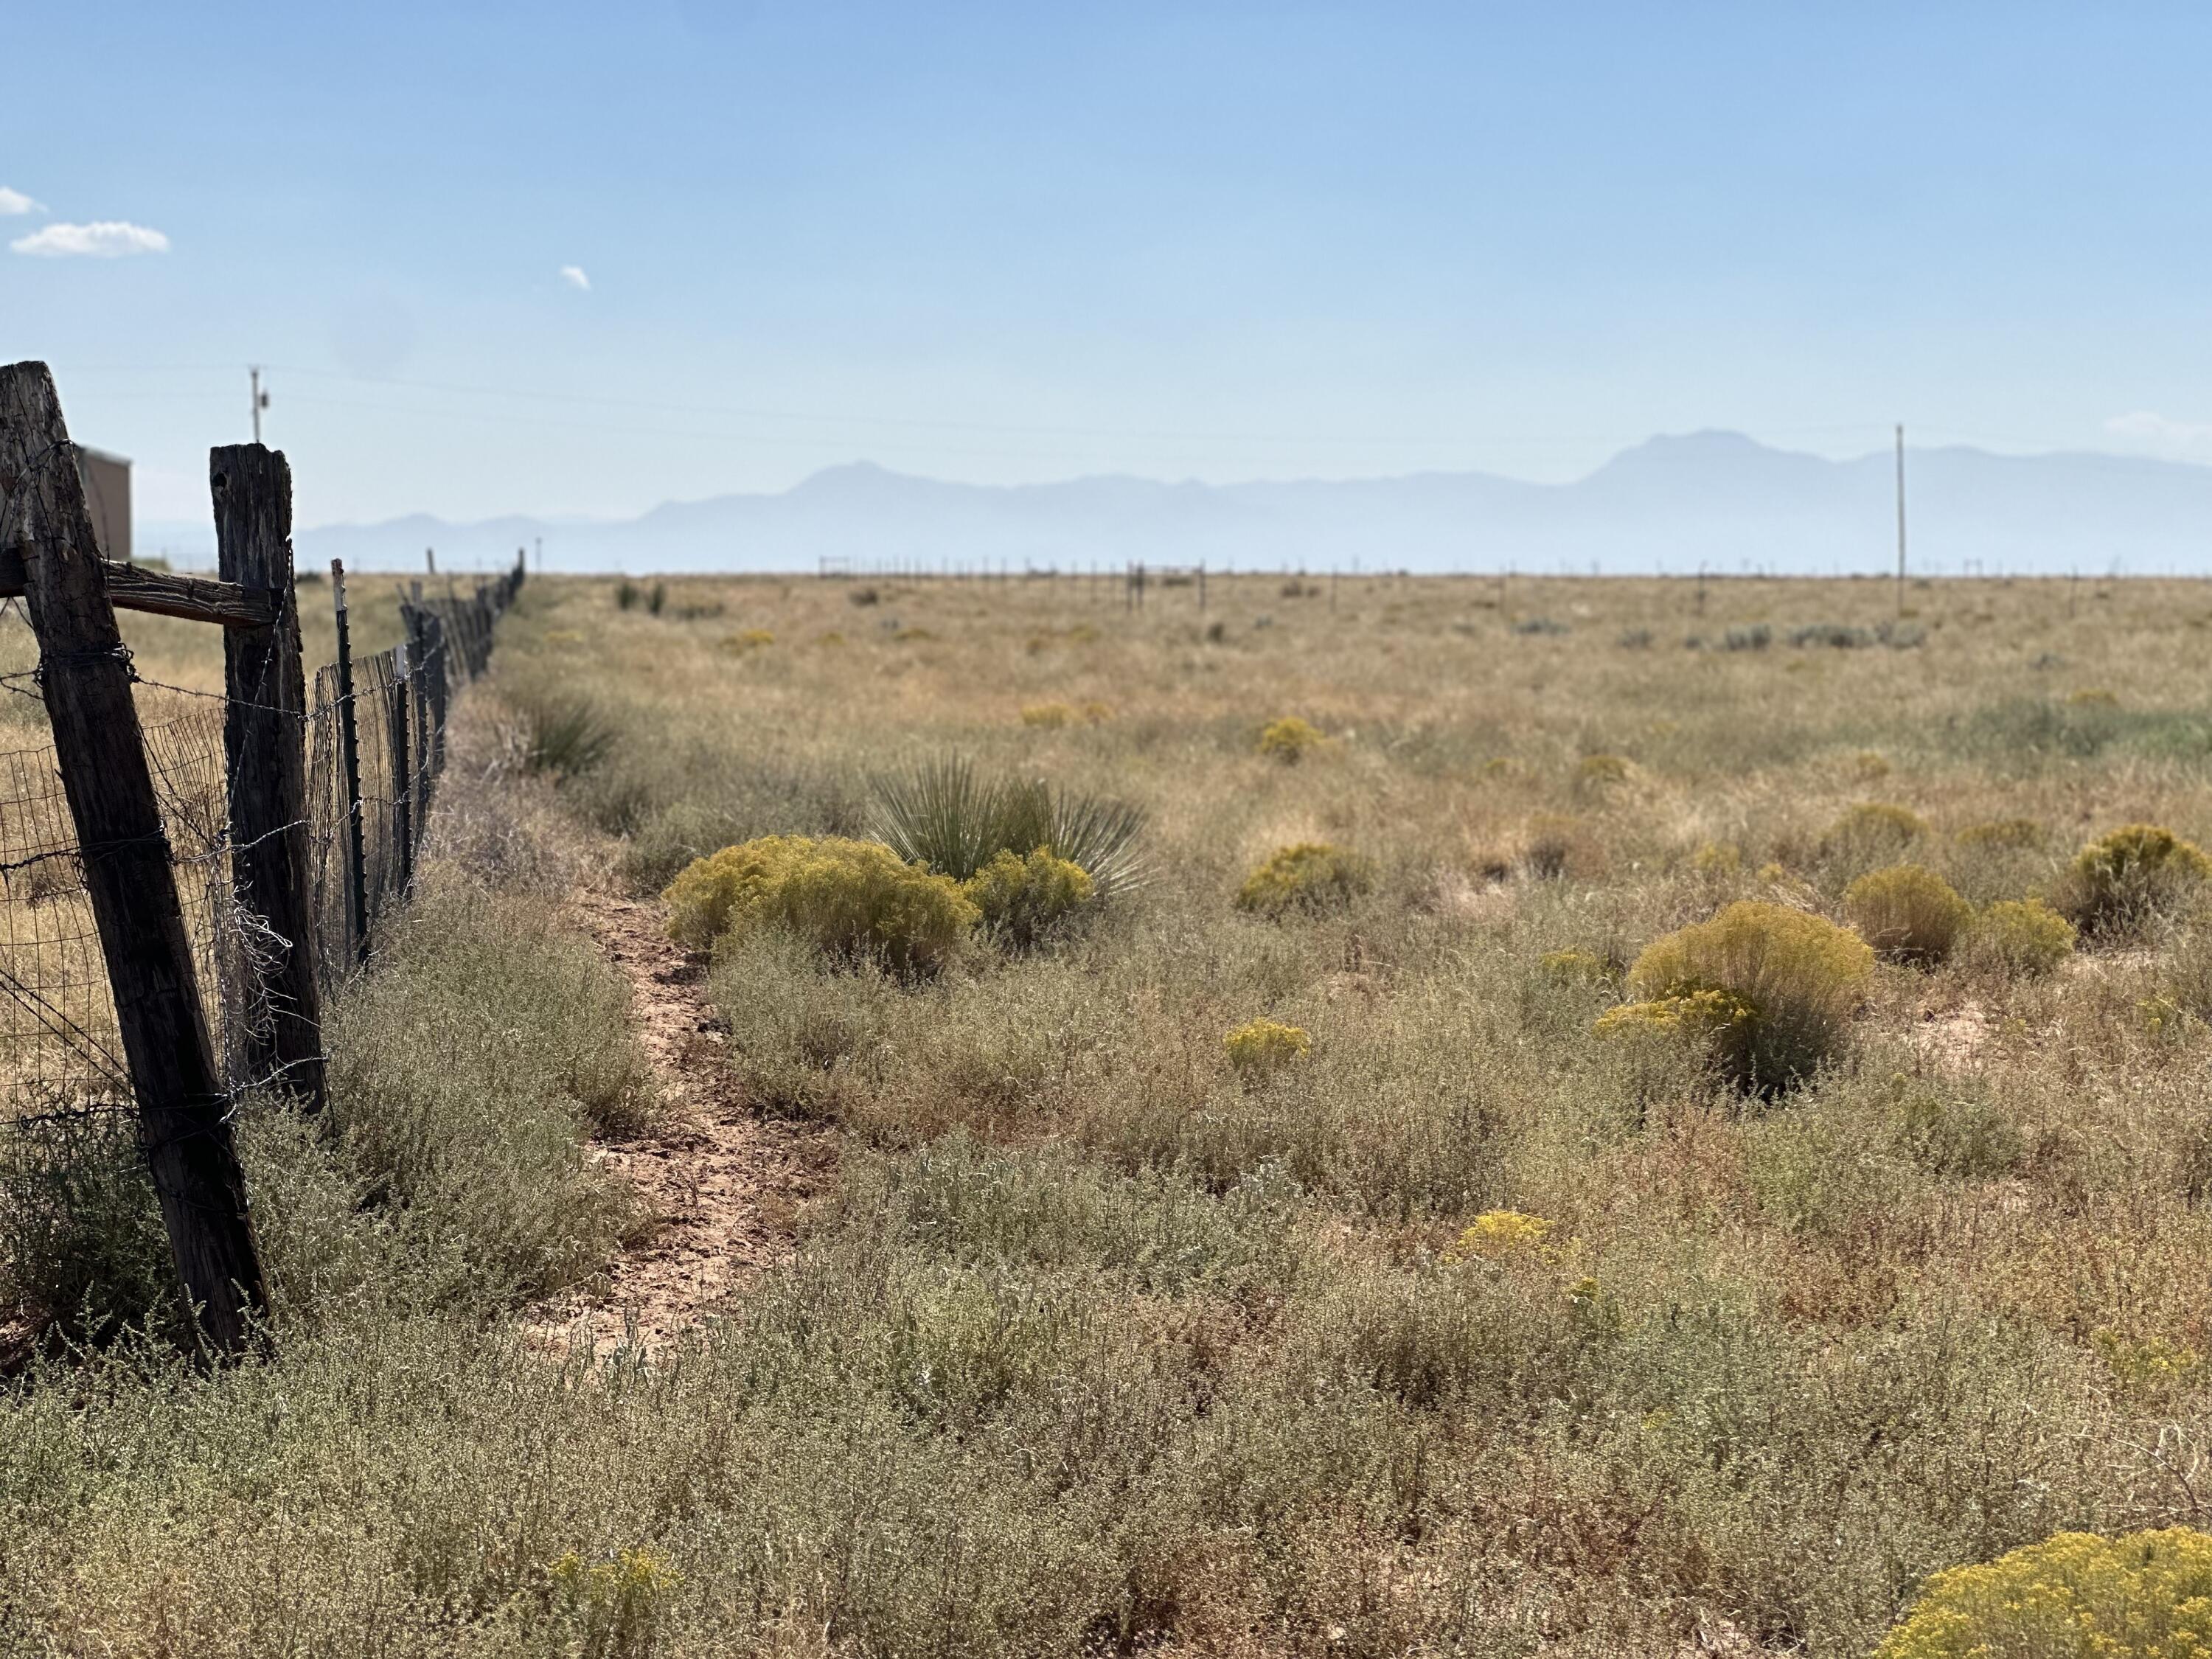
(107, 495)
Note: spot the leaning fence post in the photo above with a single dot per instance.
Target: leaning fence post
(84, 674)
(264, 741)
(349, 764)
(401, 695)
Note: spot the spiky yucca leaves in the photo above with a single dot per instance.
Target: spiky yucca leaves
(565, 735)
(951, 819)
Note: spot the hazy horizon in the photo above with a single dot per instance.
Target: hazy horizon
(498, 265)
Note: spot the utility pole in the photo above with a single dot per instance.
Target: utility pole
(1900, 518)
(260, 402)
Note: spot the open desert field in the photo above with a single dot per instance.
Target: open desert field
(1376, 1250)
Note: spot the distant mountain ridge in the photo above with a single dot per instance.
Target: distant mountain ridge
(1718, 499)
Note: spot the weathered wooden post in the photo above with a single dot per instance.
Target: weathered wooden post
(349, 765)
(398, 697)
(265, 742)
(426, 668)
(437, 656)
(84, 673)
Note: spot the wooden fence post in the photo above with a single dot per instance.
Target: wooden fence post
(434, 650)
(265, 742)
(400, 695)
(350, 764)
(427, 667)
(84, 672)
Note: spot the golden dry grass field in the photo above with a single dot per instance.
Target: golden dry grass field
(1459, 1326)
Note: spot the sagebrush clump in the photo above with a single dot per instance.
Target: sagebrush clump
(849, 898)
(2123, 880)
(1907, 912)
(1788, 981)
(1311, 876)
(1873, 832)
(2147, 1595)
(1023, 897)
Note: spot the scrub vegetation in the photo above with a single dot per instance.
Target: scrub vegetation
(1624, 1147)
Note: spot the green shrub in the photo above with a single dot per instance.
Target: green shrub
(1792, 981)
(1260, 1046)
(2023, 937)
(1579, 967)
(1907, 912)
(82, 1247)
(2009, 833)
(953, 821)
(1023, 897)
(464, 1074)
(1872, 832)
(849, 898)
(2147, 1595)
(1290, 740)
(1311, 876)
(2120, 881)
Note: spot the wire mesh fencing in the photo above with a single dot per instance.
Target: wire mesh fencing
(62, 1072)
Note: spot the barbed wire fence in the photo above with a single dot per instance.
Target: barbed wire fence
(151, 979)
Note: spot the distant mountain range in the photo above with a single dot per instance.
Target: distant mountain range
(1713, 498)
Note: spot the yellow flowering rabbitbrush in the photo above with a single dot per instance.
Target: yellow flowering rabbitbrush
(1873, 831)
(2025, 937)
(849, 898)
(1768, 990)
(1290, 739)
(1309, 876)
(1022, 896)
(1907, 912)
(2121, 880)
(2147, 1595)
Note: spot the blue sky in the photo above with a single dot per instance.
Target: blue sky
(1023, 243)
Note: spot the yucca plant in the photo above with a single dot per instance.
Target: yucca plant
(564, 735)
(948, 817)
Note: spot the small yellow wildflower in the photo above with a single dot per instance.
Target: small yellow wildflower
(1266, 1045)
(1500, 1236)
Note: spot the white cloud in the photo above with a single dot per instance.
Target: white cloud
(105, 239)
(14, 201)
(2180, 441)
(573, 276)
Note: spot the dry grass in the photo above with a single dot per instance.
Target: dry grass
(1106, 1344)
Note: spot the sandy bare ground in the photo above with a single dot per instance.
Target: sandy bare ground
(724, 1184)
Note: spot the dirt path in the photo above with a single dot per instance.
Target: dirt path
(725, 1184)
